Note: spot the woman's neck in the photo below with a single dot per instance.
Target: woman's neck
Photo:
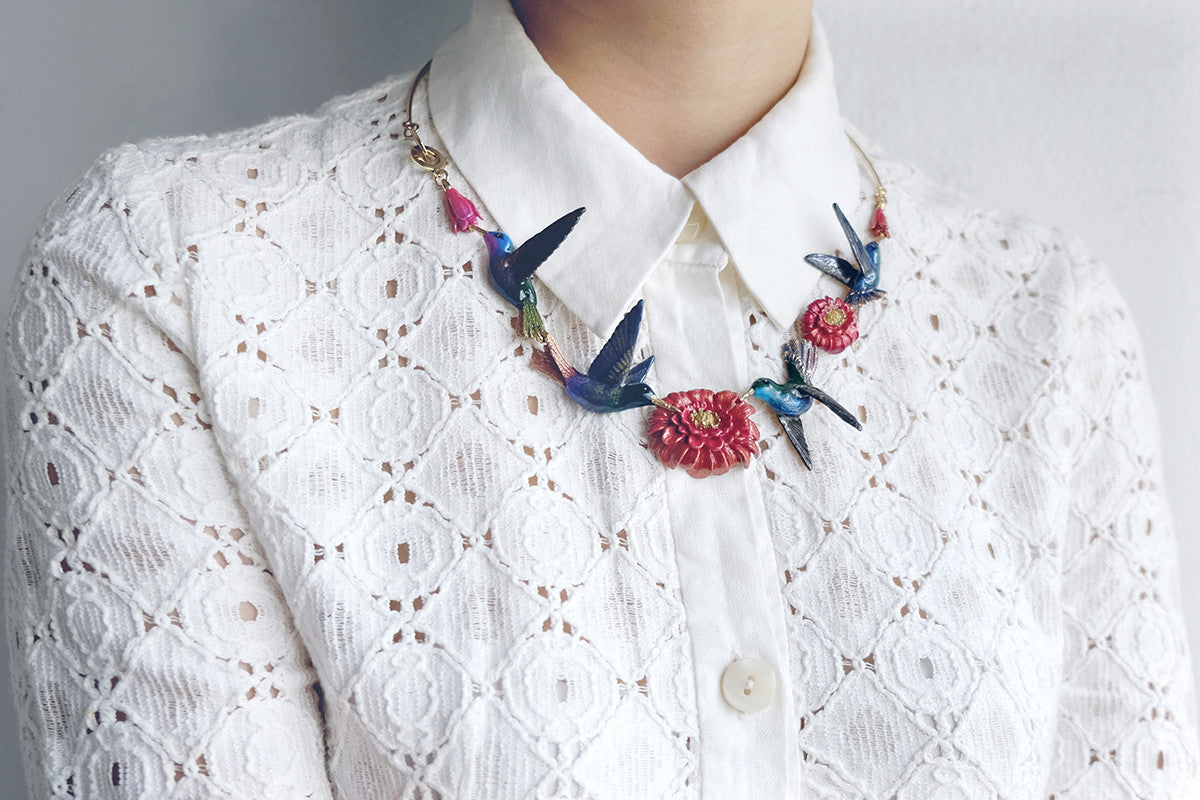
(680, 81)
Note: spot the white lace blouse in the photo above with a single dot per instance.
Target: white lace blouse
(290, 515)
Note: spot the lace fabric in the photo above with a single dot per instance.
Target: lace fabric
(290, 515)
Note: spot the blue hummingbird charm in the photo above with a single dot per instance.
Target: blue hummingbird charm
(863, 280)
(510, 269)
(791, 399)
(613, 382)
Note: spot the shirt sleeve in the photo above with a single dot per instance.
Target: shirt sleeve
(153, 653)
(1126, 717)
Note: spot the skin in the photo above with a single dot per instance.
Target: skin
(680, 81)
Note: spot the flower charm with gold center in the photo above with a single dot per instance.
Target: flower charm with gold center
(829, 324)
(705, 432)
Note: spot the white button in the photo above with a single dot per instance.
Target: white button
(748, 684)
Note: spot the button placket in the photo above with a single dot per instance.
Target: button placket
(735, 612)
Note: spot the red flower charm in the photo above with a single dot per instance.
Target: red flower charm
(829, 324)
(705, 433)
(462, 211)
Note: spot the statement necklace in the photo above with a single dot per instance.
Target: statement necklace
(705, 432)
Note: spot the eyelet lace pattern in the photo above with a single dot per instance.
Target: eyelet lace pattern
(289, 510)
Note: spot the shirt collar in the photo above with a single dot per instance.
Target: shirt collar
(532, 150)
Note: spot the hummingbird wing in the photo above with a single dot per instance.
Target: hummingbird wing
(831, 404)
(638, 374)
(800, 358)
(616, 357)
(835, 267)
(865, 263)
(521, 263)
(794, 429)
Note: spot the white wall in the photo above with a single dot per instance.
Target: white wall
(1083, 113)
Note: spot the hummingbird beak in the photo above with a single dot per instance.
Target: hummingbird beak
(745, 398)
(660, 403)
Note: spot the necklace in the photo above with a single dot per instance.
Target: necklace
(705, 432)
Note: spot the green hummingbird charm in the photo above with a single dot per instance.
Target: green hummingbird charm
(510, 270)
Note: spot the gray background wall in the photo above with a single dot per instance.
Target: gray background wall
(1082, 113)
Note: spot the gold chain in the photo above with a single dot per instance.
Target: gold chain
(424, 156)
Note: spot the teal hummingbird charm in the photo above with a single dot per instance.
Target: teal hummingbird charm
(861, 280)
(613, 382)
(791, 399)
(510, 270)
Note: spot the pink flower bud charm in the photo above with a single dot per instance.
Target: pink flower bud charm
(463, 213)
(879, 225)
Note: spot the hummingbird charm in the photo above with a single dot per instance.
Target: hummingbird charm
(510, 270)
(863, 280)
(791, 399)
(613, 382)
